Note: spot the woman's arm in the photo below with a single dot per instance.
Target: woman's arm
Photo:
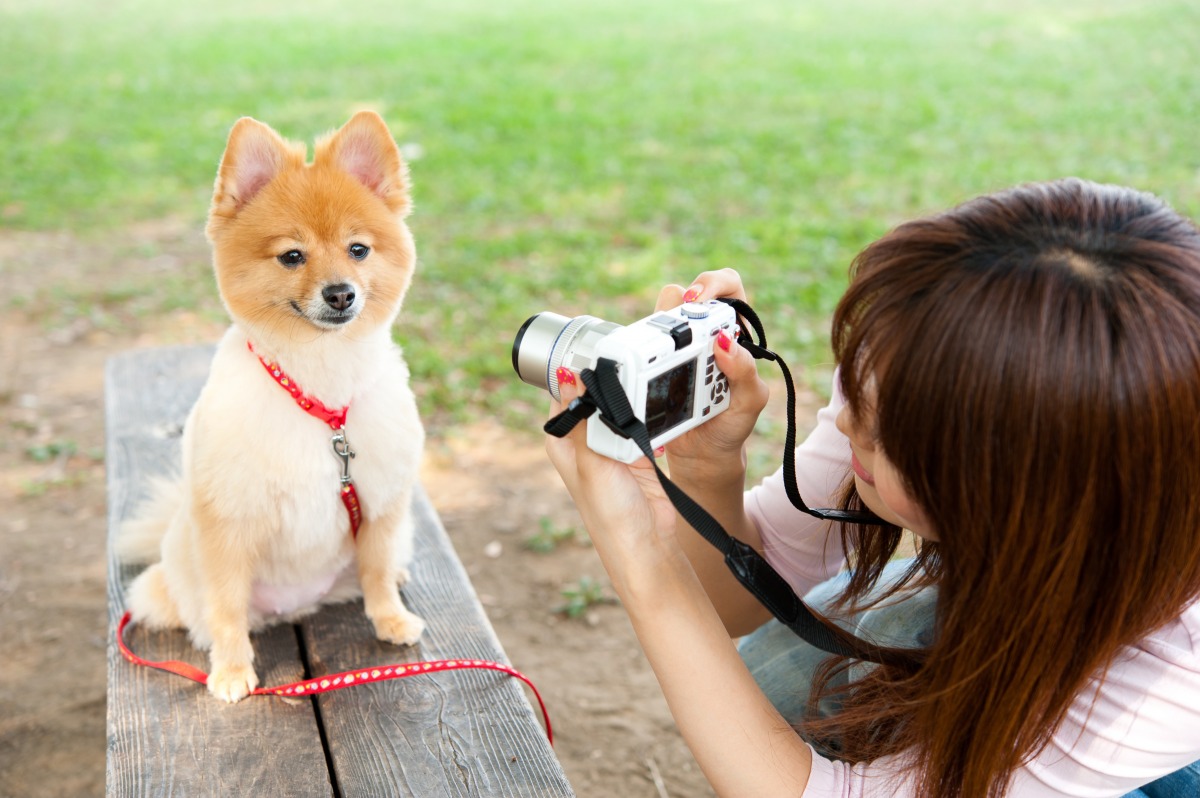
(739, 740)
(709, 464)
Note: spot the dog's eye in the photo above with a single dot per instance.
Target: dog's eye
(291, 258)
(359, 251)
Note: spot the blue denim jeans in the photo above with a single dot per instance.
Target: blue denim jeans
(784, 665)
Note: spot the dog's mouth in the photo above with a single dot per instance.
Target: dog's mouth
(327, 318)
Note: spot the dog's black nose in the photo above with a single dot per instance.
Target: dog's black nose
(340, 296)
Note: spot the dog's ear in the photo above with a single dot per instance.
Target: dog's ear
(364, 148)
(253, 157)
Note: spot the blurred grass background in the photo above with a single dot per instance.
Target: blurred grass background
(576, 156)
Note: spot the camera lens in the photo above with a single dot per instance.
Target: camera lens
(547, 341)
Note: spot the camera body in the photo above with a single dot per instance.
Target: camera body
(664, 362)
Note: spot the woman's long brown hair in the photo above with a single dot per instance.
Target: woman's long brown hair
(1031, 361)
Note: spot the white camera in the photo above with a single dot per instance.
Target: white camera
(665, 364)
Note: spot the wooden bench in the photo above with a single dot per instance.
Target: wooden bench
(459, 733)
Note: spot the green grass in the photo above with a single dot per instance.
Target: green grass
(577, 155)
(582, 596)
(549, 537)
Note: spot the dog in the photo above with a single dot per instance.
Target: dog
(278, 509)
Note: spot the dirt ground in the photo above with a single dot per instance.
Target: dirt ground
(68, 310)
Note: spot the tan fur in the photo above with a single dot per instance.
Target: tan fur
(254, 531)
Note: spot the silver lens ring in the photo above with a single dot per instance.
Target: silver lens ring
(559, 350)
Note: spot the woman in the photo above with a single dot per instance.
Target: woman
(1022, 390)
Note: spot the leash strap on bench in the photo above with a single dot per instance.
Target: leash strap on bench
(605, 395)
(338, 681)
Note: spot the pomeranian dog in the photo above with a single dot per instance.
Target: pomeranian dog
(301, 453)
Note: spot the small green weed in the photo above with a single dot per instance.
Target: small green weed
(585, 593)
(549, 537)
(45, 452)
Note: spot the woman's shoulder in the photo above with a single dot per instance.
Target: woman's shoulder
(1178, 641)
(1140, 719)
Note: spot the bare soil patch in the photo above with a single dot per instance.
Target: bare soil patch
(75, 304)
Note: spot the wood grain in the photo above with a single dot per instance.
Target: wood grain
(167, 735)
(462, 733)
(459, 733)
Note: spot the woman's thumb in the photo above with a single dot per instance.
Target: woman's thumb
(739, 367)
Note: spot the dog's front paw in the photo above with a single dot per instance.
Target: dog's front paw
(403, 628)
(232, 682)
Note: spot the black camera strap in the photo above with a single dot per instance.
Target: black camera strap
(605, 394)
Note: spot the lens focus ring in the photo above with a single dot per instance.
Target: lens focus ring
(560, 350)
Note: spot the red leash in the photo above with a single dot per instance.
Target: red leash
(337, 681)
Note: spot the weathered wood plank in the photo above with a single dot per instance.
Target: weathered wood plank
(459, 733)
(167, 735)
(462, 733)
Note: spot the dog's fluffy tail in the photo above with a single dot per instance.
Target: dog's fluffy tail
(139, 539)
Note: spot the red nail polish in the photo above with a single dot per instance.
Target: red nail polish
(723, 340)
(693, 293)
(564, 376)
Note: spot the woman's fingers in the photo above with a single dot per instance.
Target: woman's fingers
(562, 450)
(568, 385)
(670, 297)
(708, 285)
(747, 391)
(713, 284)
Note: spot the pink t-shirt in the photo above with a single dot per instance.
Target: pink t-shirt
(1142, 722)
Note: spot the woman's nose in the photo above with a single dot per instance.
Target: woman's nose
(846, 425)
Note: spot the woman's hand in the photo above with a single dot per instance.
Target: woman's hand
(632, 523)
(707, 686)
(623, 506)
(717, 442)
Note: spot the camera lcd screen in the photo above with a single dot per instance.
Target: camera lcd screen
(669, 398)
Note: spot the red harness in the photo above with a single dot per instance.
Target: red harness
(336, 419)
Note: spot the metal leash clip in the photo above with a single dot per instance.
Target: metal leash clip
(341, 448)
